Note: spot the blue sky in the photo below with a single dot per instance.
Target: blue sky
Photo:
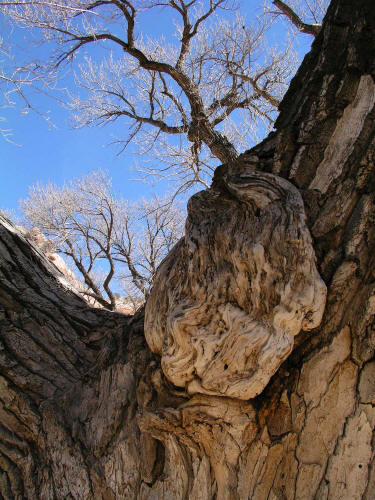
(42, 153)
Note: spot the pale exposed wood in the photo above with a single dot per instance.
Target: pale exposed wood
(229, 300)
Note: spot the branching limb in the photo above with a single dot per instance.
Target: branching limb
(188, 86)
(310, 29)
(104, 236)
(261, 92)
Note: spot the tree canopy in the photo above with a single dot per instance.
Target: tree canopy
(190, 98)
(116, 246)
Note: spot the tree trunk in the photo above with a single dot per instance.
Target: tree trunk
(86, 409)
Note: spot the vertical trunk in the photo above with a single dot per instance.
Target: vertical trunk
(86, 409)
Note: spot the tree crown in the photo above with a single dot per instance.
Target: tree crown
(192, 98)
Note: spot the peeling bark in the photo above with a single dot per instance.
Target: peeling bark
(86, 410)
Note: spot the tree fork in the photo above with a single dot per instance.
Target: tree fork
(86, 411)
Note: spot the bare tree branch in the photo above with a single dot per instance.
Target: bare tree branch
(310, 29)
(189, 86)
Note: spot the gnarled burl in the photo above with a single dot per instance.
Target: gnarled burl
(230, 298)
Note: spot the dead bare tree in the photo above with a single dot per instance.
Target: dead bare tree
(188, 99)
(108, 240)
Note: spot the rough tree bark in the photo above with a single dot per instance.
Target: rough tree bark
(86, 409)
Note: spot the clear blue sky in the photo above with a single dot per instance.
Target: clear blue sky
(41, 153)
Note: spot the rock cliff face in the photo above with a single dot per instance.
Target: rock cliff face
(230, 298)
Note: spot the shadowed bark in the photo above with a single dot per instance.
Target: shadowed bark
(85, 408)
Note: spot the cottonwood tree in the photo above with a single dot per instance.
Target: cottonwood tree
(186, 99)
(108, 240)
(88, 411)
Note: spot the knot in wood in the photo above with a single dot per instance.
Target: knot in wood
(231, 296)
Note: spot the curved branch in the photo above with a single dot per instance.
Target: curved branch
(310, 29)
(261, 92)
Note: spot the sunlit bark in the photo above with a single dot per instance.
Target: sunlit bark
(86, 411)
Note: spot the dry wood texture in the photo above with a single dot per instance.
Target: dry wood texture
(229, 300)
(86, 410)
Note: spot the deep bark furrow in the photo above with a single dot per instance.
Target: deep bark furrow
(6, 492)
(16, 426)
(53, 369)
(14, 367)
(10, 439)
(13, 475)
(63, 366)
(60, 325)
(55, 373)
